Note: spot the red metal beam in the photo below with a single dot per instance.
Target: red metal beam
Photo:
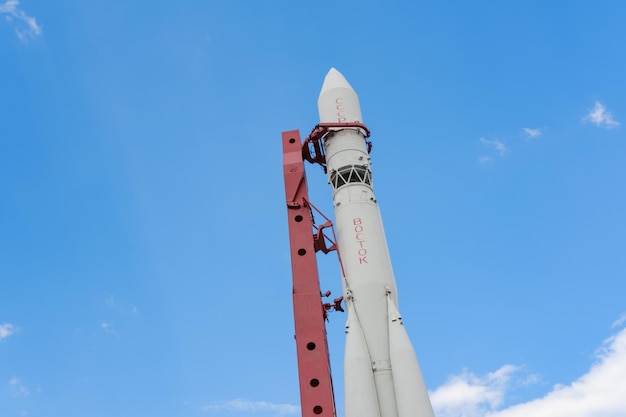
(316, 387)
(313, 149)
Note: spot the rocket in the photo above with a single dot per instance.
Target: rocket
(382, 377)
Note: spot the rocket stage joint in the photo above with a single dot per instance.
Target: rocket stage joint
(313, 146)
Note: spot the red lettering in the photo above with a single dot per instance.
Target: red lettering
(341, 115)
(358, 228)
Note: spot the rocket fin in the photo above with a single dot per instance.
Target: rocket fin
(360, 389)
(411, 394)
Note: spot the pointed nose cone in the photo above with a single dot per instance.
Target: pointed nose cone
(334, 79)
(338, 102)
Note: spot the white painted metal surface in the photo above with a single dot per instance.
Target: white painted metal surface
(382, 375)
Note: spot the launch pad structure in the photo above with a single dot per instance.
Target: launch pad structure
(306, 238)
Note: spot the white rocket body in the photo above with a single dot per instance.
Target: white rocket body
(382, 377)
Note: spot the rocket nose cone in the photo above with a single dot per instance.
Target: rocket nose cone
(338, 102)
(334, 79)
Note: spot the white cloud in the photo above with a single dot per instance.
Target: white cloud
(9, 6)
(597, 393)
(468, 395)
(25, 26)
(6, 330)
(120, 306)
(484, 159)
(248, 406)
(532, 133)
(107, 327)
(620, 320)
(496, 145)
(600, 117)
(17, 389)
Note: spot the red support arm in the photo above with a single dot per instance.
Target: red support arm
(316, 388)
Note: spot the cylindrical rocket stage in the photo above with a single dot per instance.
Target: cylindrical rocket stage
(382, 377)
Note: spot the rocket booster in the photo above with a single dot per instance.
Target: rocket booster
(382, 377)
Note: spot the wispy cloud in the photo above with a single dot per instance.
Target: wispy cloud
(26, 26)
(124, 307)
(17, 389)
(107, 327)
(532, 133)
(599, 392)
(6, 330)
(600, 117)
(241, 405)
(620, 321)
(498, 146)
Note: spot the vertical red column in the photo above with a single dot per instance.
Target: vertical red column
(316, 389)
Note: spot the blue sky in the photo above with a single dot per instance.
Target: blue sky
(144, 259)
